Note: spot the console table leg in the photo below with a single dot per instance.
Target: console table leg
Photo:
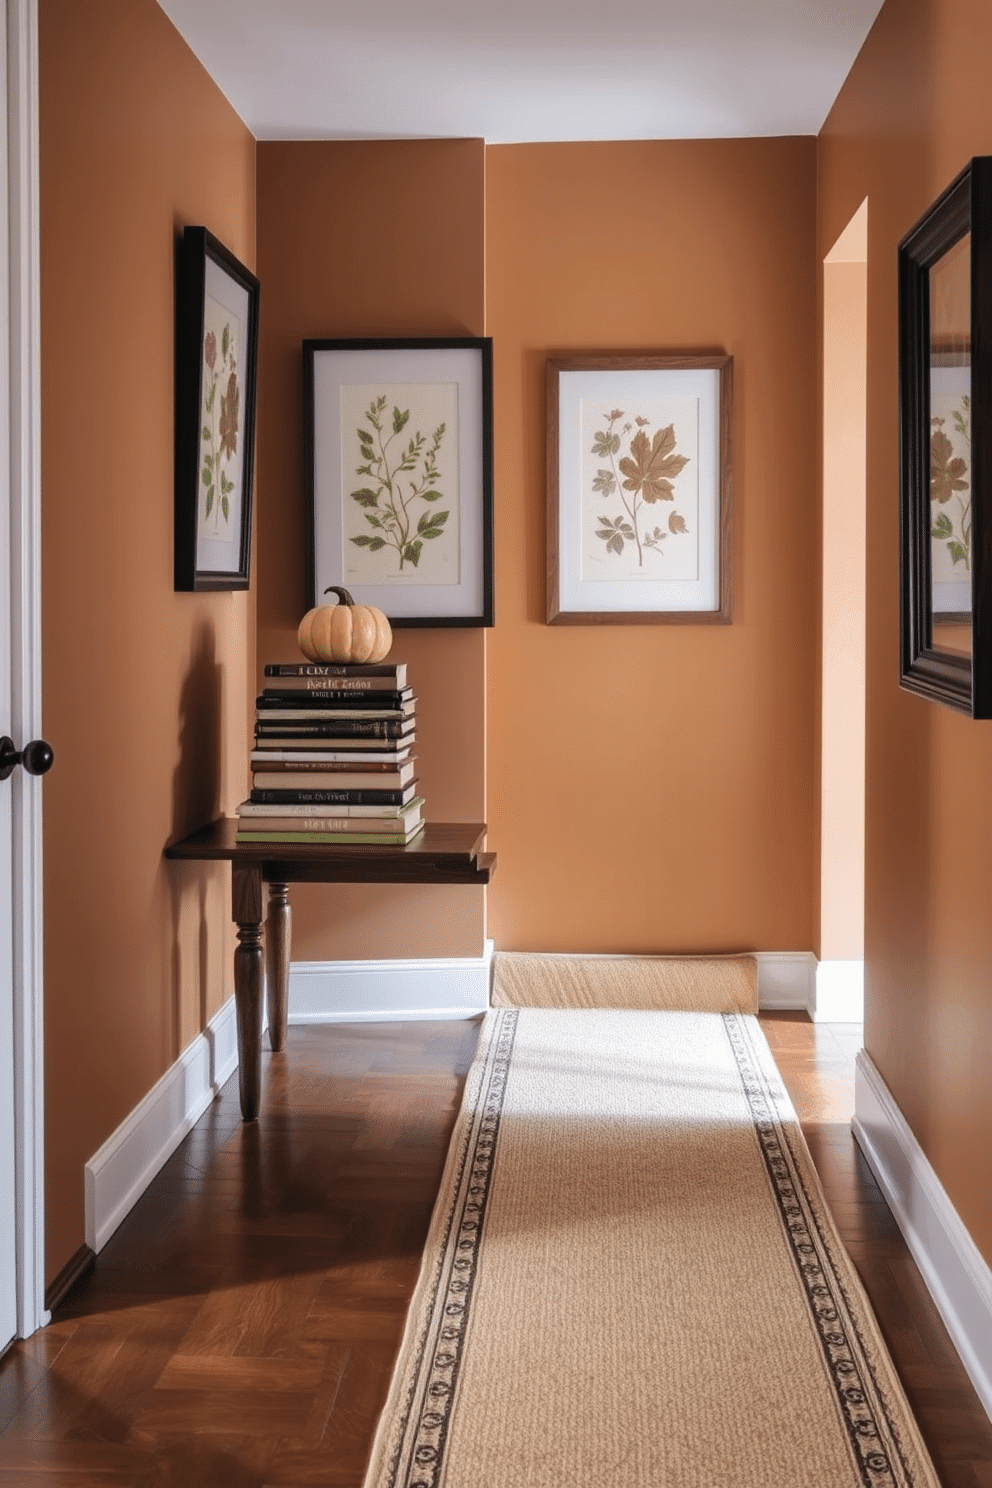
(278, 928)
(249, 975)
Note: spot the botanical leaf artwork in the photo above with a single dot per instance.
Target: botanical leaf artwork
(401, 515)
(221, 413)
(639, 513)
(950, 485)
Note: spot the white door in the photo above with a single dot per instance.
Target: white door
(8, 1227)
(22, 1308)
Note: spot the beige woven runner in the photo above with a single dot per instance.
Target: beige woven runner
(701, 984)
(632, 1280)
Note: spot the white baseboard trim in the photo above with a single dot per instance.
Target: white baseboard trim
(957, 1275)
(380, 991)
(370, 991)
(117, 1175)
(786, 980)
(840, 992)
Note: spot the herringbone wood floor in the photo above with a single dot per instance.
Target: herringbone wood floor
(239, 1329)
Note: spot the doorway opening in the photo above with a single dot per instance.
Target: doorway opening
(840, 973)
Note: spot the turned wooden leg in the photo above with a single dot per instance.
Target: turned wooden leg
(278, 928)
(249, 975)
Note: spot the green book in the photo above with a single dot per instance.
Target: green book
(332, 839)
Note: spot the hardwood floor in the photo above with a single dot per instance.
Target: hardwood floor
(817, 1064)
(239, 1328)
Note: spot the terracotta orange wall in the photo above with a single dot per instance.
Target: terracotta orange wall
(145, 690)
(653, 788)
(914, 109)
(370, 239)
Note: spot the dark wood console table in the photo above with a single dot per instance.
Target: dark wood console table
(444, 853)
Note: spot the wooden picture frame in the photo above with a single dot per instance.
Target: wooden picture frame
(945, 447)
(399, 476)
(217, 302)
(639, 488)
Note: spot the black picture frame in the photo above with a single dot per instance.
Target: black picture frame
(426, 561)
(945, 447)
(217, 301)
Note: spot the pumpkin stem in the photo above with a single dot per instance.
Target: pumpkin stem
(343, 596)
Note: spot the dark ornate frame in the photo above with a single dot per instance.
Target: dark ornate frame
(945, 676)
(196, 248)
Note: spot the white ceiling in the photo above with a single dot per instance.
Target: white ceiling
(521, 70)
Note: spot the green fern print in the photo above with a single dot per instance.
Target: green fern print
(399, 501)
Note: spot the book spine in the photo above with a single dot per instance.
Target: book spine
(316, 713)
(332, 839)
(287, 697)
(344, 728)
(363, 800)
(354, 676)
(315, 749)
(337, 751)
(316, 762)
(268, 780)
(384, 826)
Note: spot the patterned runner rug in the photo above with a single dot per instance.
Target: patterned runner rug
(632, 1279)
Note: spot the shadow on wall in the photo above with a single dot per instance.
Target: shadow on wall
(196, 779)
(195, 802)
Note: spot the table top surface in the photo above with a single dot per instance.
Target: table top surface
(444, 852)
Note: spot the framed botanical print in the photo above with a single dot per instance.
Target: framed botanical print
(945, 434)
(216, 357)
(639, 489)
(399, 476)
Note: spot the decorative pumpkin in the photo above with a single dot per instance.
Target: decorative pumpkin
(345, 631)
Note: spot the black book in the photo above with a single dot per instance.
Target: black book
(270, 797)
(284, 697)
(335, 728)
(277, 708)
(348, 671)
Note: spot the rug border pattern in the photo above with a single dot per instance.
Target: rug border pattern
(423, 1425)
(863, 1405)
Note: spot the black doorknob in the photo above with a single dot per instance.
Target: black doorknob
(36, 757)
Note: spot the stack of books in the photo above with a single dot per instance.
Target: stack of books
(333, 759)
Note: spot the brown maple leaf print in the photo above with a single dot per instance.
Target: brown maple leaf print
(653, 467)
(947, 470)
(229, 417)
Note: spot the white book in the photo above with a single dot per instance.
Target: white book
(261, 757)
(391, 813)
